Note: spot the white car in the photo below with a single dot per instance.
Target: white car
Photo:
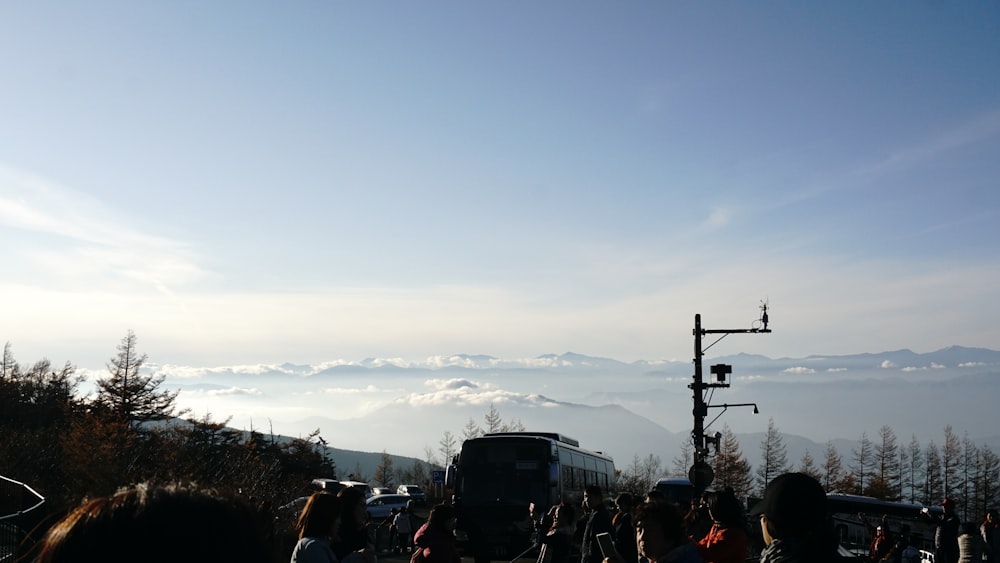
(380, 506)
(414, 492)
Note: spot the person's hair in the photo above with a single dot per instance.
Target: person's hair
(319, 515)
(349, 499)
(441, 514)
(726, 509)
(655, 496)
(970, 528)
(159, 524)
(566, 516)
(624, 499)
(593, 491)
(993, 512)
(666, 514)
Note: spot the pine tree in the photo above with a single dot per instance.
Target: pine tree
(774, 459)
(383, 471)
(129, 394)
(731, 468)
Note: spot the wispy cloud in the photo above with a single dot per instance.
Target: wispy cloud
(977, 129)
(78, 237)
(799, 370)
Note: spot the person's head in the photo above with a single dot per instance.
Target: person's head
(162, 523)
(442, 515)
(725, 508)
(353, 510)
(948, 505)
(654, 496)
(969, 528)
(624, 502)
(992, 516)
(793, 509)
(320, 516)
(592, 497)
(659, 527)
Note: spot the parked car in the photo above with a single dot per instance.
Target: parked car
(327, 485)
(380, 506)
(362, 485)
(414, 492)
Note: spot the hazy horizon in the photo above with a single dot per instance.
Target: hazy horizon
(254, 183)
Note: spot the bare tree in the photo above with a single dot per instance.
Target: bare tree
(914, 469)
(471, 430)
(885, 475)
(8, 367)
(832, 469)
(383, 471)
(447, 447)
(933, 485)
(807, 465)
(951, 461)
(493, 420)
(862, 462)
(684, 460)
(774, 459)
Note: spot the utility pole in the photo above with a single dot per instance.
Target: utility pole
(701, 473)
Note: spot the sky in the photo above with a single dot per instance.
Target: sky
(251, 182)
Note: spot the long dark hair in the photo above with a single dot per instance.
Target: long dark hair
(318, 517)
(726, 509)
(177, 522)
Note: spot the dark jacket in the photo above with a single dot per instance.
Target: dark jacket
(599, 521)
(435, 544)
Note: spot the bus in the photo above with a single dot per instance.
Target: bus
(855, 536)
(677, 490)
(498, 477)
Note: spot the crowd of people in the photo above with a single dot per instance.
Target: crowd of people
(185, 523)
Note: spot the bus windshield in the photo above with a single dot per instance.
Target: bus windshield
(503, 473)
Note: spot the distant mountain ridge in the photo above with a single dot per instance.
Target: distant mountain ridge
(625, 408)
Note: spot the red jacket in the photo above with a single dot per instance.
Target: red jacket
(723, 545)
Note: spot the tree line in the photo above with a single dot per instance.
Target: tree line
(69, 448)
(883, 468)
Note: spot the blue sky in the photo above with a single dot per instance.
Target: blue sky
(253, 182)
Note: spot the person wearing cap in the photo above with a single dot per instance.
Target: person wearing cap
(597, 520)
(946, 531)
(794, 521)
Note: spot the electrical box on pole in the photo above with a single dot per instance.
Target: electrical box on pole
(701, 473)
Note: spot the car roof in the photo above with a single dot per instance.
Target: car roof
(392, 497)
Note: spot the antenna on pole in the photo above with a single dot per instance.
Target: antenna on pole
(701, 473)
